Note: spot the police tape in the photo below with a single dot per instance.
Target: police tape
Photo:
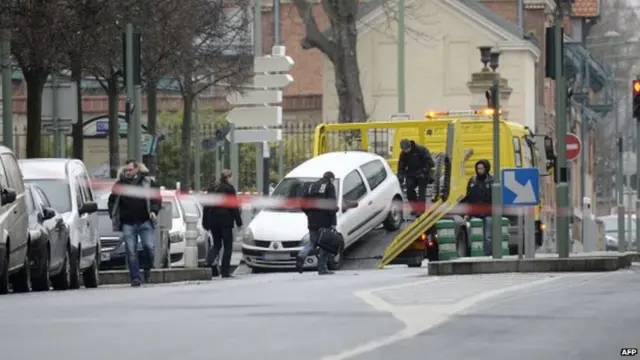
(277, 202)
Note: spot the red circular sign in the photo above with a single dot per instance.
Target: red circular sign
(573, 146)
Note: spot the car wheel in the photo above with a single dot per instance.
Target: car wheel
(41, 281)
(395, 217)
(74, 275)
(62, 281)
(90, 277)
(4, 276)
(335, 261)
(21, 281)
(257, 270)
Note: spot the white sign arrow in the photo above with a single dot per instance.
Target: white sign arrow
(273, 81)
(267, 64)
(255, 97)
(524, 193)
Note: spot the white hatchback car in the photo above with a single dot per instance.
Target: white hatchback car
(275, 236)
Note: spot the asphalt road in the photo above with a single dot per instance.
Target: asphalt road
(395, 313)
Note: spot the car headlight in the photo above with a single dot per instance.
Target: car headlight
(247, 237)
(304, 240)
(176, 237)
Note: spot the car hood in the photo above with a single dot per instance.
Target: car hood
(105, 226)
(279, 226)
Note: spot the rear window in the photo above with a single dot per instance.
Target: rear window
(293, 188)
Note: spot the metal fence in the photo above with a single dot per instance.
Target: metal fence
(295, 148)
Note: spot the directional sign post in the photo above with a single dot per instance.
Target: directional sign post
(259, 108)
(521, 188)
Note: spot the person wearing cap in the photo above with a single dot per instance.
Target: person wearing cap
(319, 218)
(414, 166)
(479, 193)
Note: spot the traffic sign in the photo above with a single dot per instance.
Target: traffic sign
(256, 96)
(573, 146)
(272, 81)
(255, 116)
(399, 117)
(269, 64)
(255, 135)
(67, 100)
(520, 187)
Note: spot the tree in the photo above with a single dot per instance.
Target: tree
(338, 44)
(38, 48)
(212, 51)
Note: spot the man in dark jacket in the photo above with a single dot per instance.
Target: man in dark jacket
(219, 220)
(323, 217)
(134, 212)
(479, 193)
(414, 166)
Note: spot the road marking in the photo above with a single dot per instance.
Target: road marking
(420, 318)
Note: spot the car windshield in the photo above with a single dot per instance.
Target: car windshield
(293, 188)
(190, 206)
(175, 214)
(57, 191)
(611, 225)
(102, 198)
(29, 200)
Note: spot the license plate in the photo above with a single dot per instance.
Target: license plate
(105, 256)
(276, 256)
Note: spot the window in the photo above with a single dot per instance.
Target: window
(354, 188)
(4, 182)
(57, 192)
(102, 199)
(528, 154)
(86, 186)
(293, 188)
(29, 202)
(190, 206)
(517, 151)
(14, 177)
(175, 214)
(375, 173)
(43, 198)
(79, 194)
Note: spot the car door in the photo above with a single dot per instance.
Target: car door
(18, 224)
(354, 221)
(92, 218)
(82, 225)
(375, 174)
(57, 229)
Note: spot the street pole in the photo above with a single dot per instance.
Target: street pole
(496, 186)
(276, 41)
(637, 180)
(137, 122)
(619, 175)
(401, 75)
(197, 145)
(131, 133)
(7, 91)
(562, 188)
(257, 39)
(233, 154)
(55, 116)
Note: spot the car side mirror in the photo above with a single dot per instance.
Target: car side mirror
(7, 196)
(88, 208)
(48, 213)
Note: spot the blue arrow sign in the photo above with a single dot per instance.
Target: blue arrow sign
(520, 187)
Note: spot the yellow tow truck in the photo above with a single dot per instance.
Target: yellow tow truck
(456, 139)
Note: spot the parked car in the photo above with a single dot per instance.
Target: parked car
(48, 234)
(67, 186)
(610, 223)
(180, 207)
(14, 224)
(275, 236)
(113, 253)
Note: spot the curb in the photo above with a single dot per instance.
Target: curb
(158, 276)
(580, 263)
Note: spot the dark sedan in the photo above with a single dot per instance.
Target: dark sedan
(48, 234)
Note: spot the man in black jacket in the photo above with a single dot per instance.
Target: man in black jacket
(414, 166)
(479, 193)
(134, 213)
(323, 217)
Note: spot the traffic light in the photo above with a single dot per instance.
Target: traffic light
(635, 88)
(491, 94)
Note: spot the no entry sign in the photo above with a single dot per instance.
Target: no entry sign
(573, 146)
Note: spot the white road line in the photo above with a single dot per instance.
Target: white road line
(420, 318)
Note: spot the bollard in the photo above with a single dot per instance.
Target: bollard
(447, 249)
(162, 257)
(191, 241)
(477, 237)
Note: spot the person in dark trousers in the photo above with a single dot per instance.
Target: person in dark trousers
(134, 213)
(479, 193)
(323, 217)
(414, 166)
(219, 221)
